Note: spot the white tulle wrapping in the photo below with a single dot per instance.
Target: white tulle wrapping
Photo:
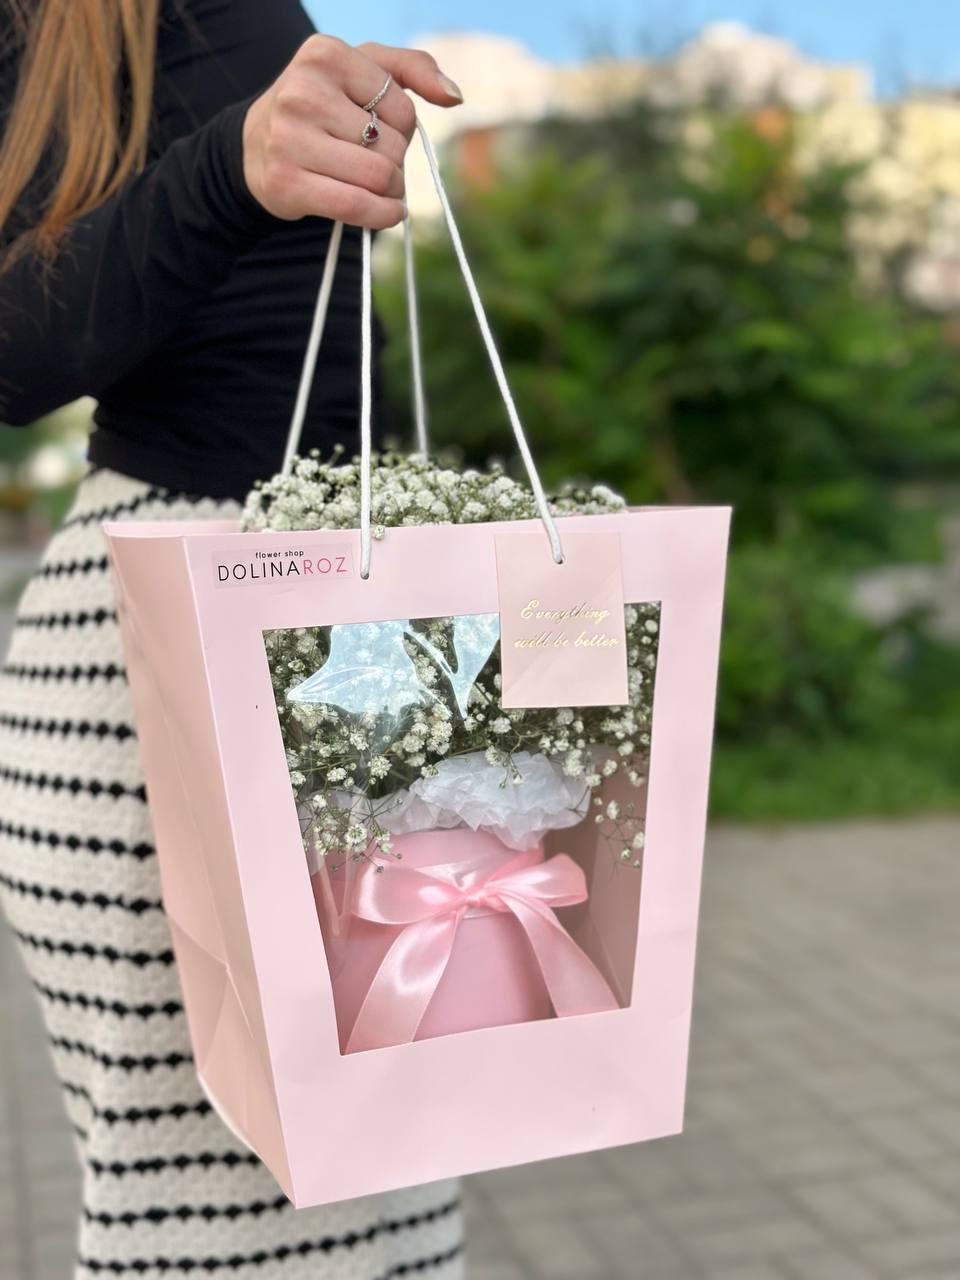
(468, 791)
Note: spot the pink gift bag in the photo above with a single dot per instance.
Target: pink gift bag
(475, 1004)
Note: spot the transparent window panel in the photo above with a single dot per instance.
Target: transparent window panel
(403, 763)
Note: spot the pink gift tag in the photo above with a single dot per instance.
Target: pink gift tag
(562, 635)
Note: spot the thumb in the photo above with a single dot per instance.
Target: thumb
(417, 70)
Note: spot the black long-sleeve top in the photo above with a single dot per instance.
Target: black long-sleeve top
(180, 304)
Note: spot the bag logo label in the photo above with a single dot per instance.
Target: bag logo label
(289, 565)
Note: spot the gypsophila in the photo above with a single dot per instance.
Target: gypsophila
(337, 754)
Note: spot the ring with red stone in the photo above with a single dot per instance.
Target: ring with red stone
(371, 131)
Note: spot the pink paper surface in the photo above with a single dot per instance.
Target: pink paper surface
(237, 887)
(562, 635)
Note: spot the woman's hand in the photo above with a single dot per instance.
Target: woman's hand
(302, 152)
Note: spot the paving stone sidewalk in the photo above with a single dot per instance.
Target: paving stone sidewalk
(823, 1138)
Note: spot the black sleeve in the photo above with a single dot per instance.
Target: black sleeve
(127, 273)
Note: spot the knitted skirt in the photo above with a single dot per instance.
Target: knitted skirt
(167, 1190)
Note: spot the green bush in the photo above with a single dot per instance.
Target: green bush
(796, 659)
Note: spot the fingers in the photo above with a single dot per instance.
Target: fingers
(348, 203)
(302, 138)
(397, 109)
(414, 69)
(347, 122)
(307, 101)
(361, 73)
(330, 63)
(366, 167)
(338, 63)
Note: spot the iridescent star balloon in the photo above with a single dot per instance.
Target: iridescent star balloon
(369, 670)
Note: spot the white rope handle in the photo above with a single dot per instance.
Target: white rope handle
(366, 368)
(366, 404)
(492, 352)
(295, 429)
(318, 324)
(416, 352)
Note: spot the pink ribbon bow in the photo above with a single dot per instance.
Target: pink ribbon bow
(430, 909)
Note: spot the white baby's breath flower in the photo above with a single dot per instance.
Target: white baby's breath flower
(379, 767)
(357, 836)
(573, 765)
(361, 750)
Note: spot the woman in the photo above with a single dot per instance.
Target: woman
(168, 169)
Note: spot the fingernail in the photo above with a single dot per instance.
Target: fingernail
(448, 86)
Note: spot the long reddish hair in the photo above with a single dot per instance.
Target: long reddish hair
(83, 99)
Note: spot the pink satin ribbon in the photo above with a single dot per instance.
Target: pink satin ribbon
(430, 909)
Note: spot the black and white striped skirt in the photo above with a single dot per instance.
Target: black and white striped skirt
(167, 1190)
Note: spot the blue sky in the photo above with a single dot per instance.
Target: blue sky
(915, 41)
